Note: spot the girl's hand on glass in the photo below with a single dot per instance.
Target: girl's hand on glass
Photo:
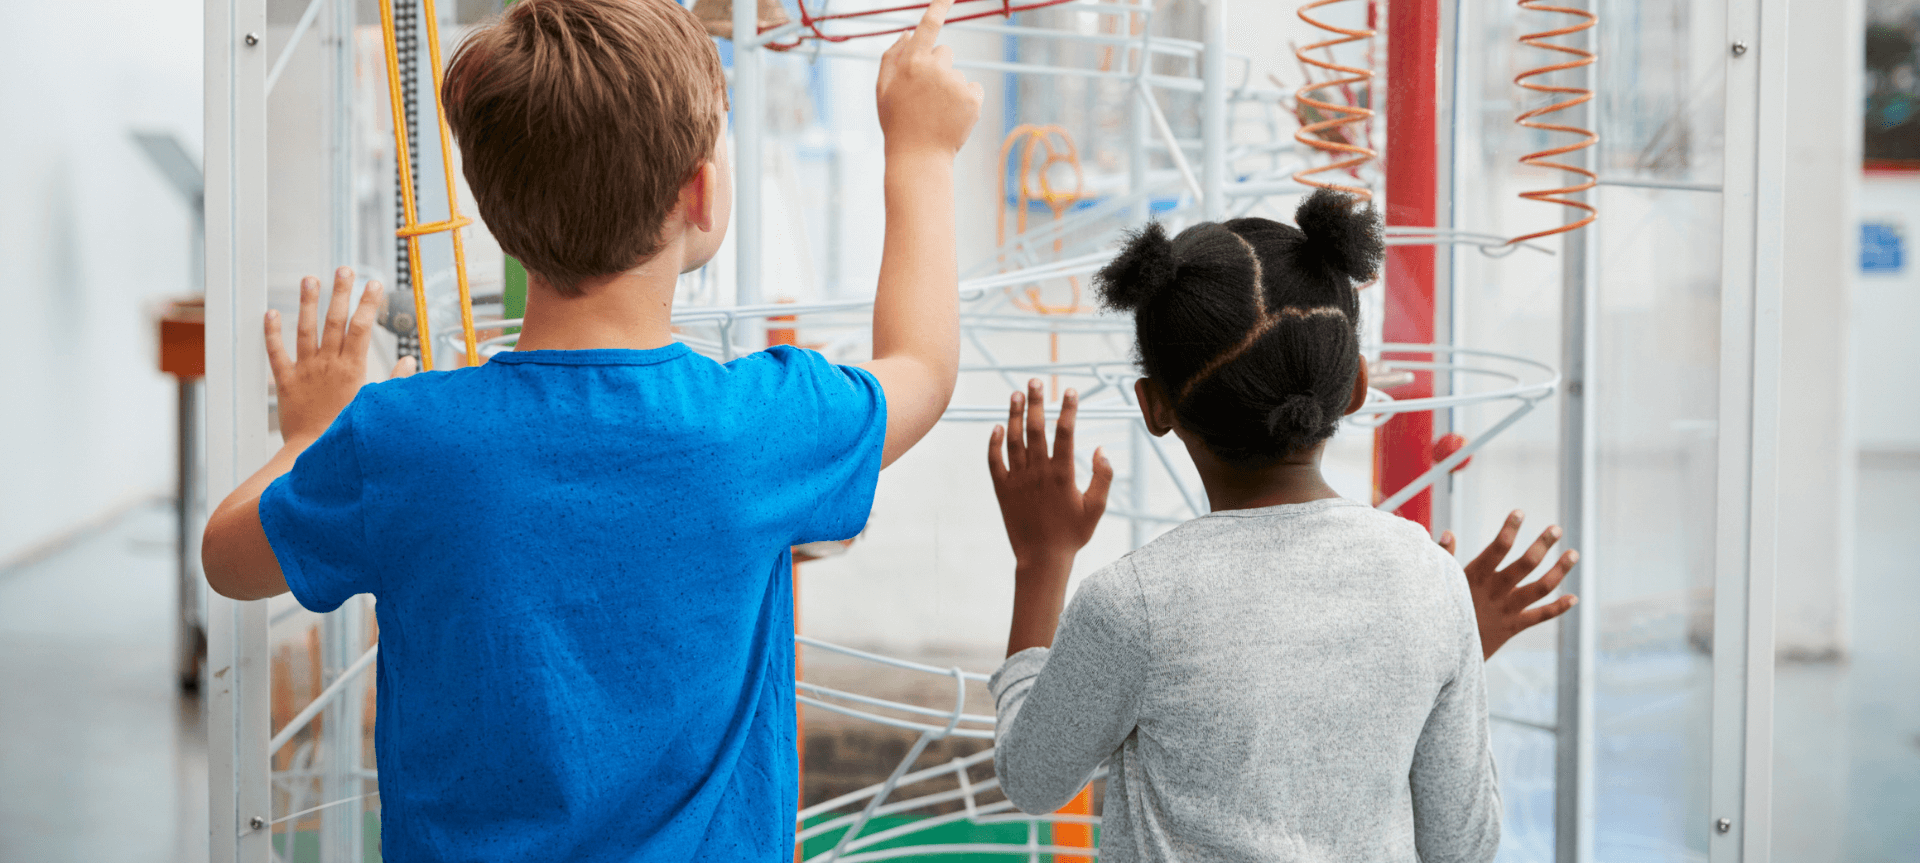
(1500, 602)
(1048, 518)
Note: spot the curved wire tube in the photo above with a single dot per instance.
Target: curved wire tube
(1573, 96)
(1327, 131)
(810, 22)
(1042, 139)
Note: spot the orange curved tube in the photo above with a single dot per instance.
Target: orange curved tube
(1572, 96)
(1348, 156)
(412, 228)
(1057, 148)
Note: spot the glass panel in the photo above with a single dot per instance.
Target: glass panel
(1658, 113)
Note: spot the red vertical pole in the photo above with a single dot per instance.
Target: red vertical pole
(1403, 448)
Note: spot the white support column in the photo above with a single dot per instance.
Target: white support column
(236, 413)
(1745, 554)
(1817, 484)
(1213, 111)
(1573, 816)
(749, 116)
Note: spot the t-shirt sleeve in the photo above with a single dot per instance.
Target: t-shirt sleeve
(840, 416)
(315, 519)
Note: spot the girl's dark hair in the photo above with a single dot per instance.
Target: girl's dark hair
(1251, 326)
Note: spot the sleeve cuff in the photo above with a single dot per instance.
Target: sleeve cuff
(1019, 668)
(289, 563)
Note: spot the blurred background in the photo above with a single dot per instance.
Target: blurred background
(102, 733)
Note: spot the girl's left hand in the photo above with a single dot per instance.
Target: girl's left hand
(1048, 518)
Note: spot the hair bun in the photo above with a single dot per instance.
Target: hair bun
(1145, 266)
(1343, 236)
(1297, 413)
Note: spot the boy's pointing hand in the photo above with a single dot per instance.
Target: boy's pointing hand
(330, 364)
(925, 104)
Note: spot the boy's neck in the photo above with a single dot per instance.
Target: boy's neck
(632, 310)
(1294, 479)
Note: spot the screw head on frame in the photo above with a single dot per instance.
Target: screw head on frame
(1723, 825)
(256, 822)
(252, 39)
(1739, 48)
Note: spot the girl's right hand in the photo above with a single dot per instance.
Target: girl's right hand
(1048, 518)
(1505, 607)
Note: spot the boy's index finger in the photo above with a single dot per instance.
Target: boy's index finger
(927, 31)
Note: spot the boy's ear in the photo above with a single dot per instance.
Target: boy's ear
(1154, 407)
(698, 196)
(1359, 398)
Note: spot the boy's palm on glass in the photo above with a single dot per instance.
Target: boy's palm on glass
(1048, 518)
(330, 364)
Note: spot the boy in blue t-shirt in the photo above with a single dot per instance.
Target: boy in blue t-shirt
(580, 548)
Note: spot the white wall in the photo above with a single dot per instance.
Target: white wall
(90, 237)
(1886, 316)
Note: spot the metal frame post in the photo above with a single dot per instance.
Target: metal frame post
(240, 802)
(1213, 112)
(1443, 514)
(342, 633)
(749, 115)
(1573, 787)
(1741, 786)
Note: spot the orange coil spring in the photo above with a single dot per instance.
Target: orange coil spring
(1328, 130)
(1565, 97)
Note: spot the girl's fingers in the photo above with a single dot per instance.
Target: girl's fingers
(1533, 591)
(1096, 497)
(334, 337)
(306, 332)
(1535, 553)
(1063, 429)
(1447, 541)
(403, 368)
(1533, 617)
(1496, 551)
(276, 347)
(996, 468)
(1016, 417)
(1036, 444)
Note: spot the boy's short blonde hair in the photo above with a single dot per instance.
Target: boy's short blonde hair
(578, 122)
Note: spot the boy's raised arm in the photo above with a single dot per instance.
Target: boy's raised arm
(926, 110)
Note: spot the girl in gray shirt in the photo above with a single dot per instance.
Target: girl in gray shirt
(1293, 676)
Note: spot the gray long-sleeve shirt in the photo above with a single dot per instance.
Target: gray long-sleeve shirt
(1291, 683)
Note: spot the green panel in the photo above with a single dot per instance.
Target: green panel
(515, 293)
(306, 843)
(1012, 835)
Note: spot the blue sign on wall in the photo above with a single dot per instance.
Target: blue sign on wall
(1882, 248)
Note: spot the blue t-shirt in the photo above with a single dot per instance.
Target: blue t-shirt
(584, 591)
